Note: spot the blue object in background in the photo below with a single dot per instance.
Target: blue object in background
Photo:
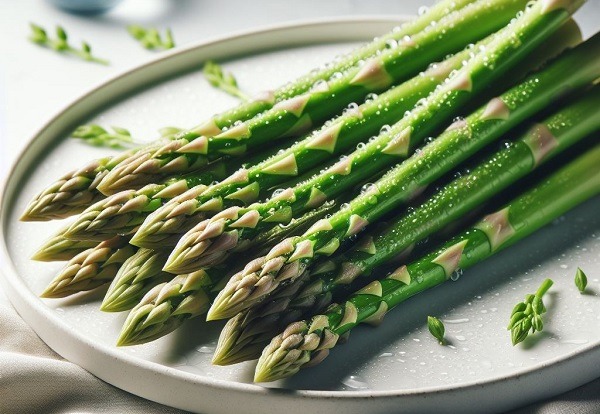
(85, 6)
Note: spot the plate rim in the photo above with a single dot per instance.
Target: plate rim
(25, 301)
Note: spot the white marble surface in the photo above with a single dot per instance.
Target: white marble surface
(36, 83)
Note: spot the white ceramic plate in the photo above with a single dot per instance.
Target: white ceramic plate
(397, 367)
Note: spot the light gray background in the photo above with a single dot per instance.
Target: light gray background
(36, 83)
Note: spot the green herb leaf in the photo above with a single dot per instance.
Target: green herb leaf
(96, 135)
(224, 81)
(118, 138)
(168, 131)
(580, 280)
(138, 32)
(150, 38)
(61, 34)
(436, 328)
(61, 43)
(38, 34)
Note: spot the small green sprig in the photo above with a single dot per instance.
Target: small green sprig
(61, 44)
(151, 38)
(527, 316)
(118, 138)
(217, 77)
(169, 131)
(580, 280)
(436, 328)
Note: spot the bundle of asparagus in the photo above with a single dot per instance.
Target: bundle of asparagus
(231, 220)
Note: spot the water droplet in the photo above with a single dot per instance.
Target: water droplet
(456, 275)
(319, 85)
(384, 129)
(355, 382)
(368, 187)
(336, 75)
(278, 192)
(455, 321)
(574, 341)
(422, 10)
(371, 97)
(206, 349)
(391, 44)
(421, 102)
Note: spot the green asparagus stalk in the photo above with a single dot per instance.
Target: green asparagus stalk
(297, 114)
(195, 249)
(76, 190)
(309, 342)
(246, 334)
(290, 258)
(348, 131)
(70, 194)
(166, 306)
(196, 290)
(124, 212)
(57, 248)
(143, 271)
(91, 268)
(335, 138)
(138, 274)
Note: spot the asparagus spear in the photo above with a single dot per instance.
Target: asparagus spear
(62, 199)
(194, 249)
(70, 194)
(90, 268)
(290, 258)
(289, 117)
(247, 333)
(138, 274)
(346, 132)
(76, 190)
(125, 211)
(57, 248)
(157, 314)
(160, 310)
(143, 271)
(248, 109)
(309, 342)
